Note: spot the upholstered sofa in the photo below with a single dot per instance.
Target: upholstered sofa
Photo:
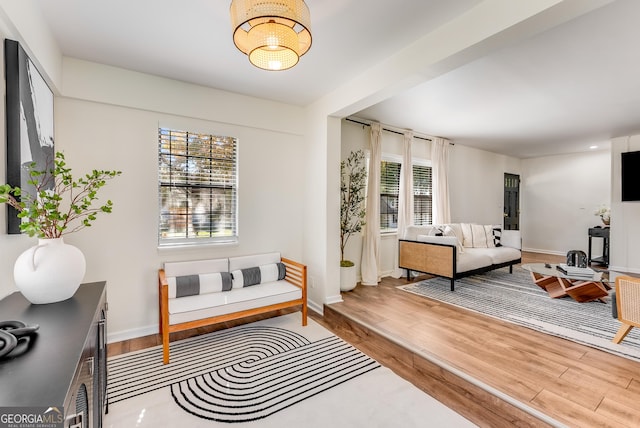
(197, 293)
(457, 250)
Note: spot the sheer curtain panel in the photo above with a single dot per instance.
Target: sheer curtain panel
(405, 196)
(371, 241)
(440, 170)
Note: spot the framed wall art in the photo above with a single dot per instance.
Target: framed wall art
(29, 123)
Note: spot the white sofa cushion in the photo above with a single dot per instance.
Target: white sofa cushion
(411, 232)
(502, 254)
(443, 240)
(472, 258)
(191, 308)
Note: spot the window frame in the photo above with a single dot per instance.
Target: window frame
(389, 157)
(191, 182)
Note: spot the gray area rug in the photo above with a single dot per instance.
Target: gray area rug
(515, 298)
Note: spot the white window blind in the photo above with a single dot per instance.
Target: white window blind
(197, 188)
(390, 189)
(422, 213)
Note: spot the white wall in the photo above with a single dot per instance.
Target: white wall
(121, 247)
(476, 184)
(559, 197)
(625, 216)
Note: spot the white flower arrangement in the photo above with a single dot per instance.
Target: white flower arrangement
(604, 212)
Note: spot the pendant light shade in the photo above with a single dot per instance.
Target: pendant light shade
(274, 34)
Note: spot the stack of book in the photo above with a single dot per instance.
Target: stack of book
(576, 271)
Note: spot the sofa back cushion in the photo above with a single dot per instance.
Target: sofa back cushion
(411, 232)
(196, 267)
(477, 236)
(243, 262)
(511, 238)
(442, 240)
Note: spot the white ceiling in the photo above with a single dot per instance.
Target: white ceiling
(558, 92)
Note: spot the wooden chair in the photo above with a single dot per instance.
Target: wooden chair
(628, 305)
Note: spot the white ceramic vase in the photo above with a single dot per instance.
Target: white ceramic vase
(50, 271)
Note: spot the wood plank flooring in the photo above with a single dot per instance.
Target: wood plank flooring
(574, 384)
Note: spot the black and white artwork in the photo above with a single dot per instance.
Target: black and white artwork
(29, 111)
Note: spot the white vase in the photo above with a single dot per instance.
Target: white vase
(50, 271)
(348, 278)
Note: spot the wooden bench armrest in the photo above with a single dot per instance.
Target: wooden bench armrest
(296, 273)
(163, 293)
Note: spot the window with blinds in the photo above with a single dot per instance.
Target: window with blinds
(390, 189)
(422, 213)
(197, 188)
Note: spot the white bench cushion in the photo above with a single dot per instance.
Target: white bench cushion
(196, 267)
(243, 262)
(191, 308)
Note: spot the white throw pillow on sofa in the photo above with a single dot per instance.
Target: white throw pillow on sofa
(477, 236)
(443, 240)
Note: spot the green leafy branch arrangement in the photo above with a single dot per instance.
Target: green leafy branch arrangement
(63, 204)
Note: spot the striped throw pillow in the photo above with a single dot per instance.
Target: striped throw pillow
(192, 285)
(258, 275)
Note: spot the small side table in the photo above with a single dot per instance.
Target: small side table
(600, 232)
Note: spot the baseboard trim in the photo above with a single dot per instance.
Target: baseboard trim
(315, 307)
(134, 333)
(539, 251)
(624, 269)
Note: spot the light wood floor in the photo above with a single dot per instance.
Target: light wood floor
(574, 384)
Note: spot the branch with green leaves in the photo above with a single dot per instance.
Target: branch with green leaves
(62, 204)
(353, 178)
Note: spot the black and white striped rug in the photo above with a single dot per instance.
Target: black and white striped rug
(272, 373)
(242, 374)
(515, 298)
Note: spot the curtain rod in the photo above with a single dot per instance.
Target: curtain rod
(387, 129)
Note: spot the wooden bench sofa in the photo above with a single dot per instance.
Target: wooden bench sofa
(198, 293)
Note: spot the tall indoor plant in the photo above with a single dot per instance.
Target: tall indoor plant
(52, 270)
(353, 178)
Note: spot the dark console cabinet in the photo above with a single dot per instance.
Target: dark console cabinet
(64, 369)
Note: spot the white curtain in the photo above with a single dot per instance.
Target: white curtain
(405, 196)
(371, 241)
(440, 181)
